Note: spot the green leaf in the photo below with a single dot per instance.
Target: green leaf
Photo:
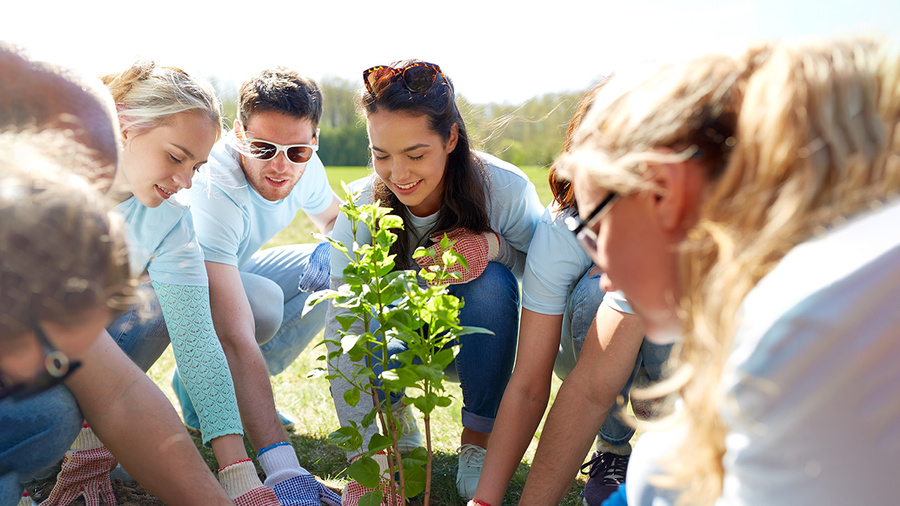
(379, 442)
(351, 397)
(414, 479)
(373, 498)
(347, 438)
(348, 342)
(391, 221)
(444, 357)
(369, 419)
(417, 457)
(346, 320)
(365, 471)
(430, 373)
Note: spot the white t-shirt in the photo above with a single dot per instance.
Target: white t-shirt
(812, 386)
(233, 221)
(161, 240)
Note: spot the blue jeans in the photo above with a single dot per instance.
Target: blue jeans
(581, 309)
(141, 332)
(271, 278)
(36, 433)
(484, 362)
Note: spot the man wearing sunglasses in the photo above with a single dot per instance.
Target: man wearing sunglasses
(258, 178)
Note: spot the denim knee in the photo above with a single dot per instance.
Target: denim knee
(296, 332)
(266, 303)
(141, 332)
(38, 431)
(585, 296)
(484, 362)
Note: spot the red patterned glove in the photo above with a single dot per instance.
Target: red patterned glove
(242, 485)
(477, 249)
(353, 492)
(85, 472)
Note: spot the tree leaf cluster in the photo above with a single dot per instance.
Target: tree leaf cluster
(391, 304)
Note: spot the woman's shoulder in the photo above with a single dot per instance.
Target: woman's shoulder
(497, 168)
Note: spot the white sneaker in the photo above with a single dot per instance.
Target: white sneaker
(471, 459)
(411, 438)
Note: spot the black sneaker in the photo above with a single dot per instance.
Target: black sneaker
(606, 471)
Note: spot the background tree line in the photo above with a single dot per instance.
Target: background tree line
(525, 134)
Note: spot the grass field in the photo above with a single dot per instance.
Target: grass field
(309, 400)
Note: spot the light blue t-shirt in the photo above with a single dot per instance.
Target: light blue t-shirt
(161, 240)
(555, 263)
(232, 220)
(512, 202)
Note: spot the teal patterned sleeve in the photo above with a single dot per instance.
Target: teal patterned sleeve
(201, 361)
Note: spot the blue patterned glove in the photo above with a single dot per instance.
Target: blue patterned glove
(304, 490)
(318, 269)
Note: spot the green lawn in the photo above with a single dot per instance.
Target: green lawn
(310, 402)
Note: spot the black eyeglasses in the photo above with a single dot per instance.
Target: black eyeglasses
(417, 77)
(58, 368)
(583, 231)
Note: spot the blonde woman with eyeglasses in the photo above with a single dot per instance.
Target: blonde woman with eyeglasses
(755, 222)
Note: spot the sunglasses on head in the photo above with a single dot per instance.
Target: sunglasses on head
(416, 77)
(58, 368)
(267, 150)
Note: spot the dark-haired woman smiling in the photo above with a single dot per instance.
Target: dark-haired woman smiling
(426, 170)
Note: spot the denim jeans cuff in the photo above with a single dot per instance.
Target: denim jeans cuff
(618, 440)
(477, 423)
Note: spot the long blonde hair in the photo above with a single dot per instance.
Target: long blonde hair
(806, 138)
(147, 95)
(817, 144)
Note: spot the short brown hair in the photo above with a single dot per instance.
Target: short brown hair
(280, 90)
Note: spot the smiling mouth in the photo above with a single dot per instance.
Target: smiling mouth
(407, 186)
(167, 192)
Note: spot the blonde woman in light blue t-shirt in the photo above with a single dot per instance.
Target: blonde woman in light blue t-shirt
(169, 122)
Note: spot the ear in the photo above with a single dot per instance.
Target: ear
(453, 139)
(676, 197)
(238, 129)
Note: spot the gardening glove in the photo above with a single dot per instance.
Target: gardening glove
(85, 471)
(477, 249)
(318, 269)
(242, 485)
(354, 491)
(304, 490)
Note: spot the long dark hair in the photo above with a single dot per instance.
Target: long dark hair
(464, 201)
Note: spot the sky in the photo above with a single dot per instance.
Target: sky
(494, 51)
